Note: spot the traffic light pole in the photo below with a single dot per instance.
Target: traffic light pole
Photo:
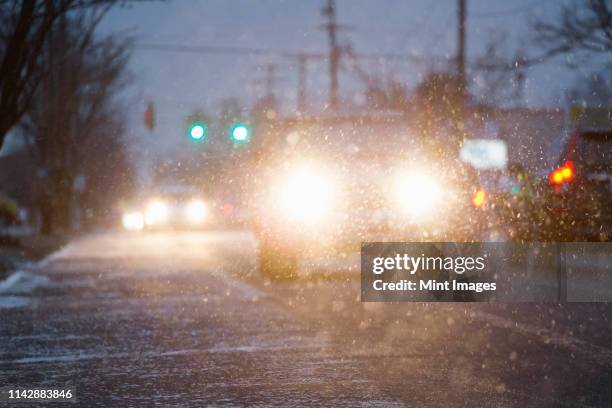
(461, 114)
(334, 53)
(461, 21)
(301, 95)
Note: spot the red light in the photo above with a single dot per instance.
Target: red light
(479, 198)
(556, 177)
(563, 174)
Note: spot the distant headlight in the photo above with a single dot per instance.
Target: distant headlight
(306, 195)
(196, 211)
(418, 193)
(156, 213)
(133, 221)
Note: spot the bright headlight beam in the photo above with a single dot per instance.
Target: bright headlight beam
(196, 211)
(156, 213)
(133, 221)
(418, 193)
(306, 195)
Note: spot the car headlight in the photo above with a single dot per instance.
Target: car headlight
(156, 213)
(305, 195)
(133, 221)
(196, 211)
(418, 193)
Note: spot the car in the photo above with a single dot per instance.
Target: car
(174, 207)
(578, 193)
(328, 184)
(511, 205)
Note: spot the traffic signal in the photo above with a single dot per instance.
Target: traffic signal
(197, 131)
(240, 133)
(149, 116)
(197, 126)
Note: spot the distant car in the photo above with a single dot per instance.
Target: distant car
(511, 206)
(177, 208)
(329, 184)
(578, 199)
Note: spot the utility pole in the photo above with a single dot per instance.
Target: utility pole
(301, 96)
(461, 9)
(270, 79)
(460, 117)
(334, 52)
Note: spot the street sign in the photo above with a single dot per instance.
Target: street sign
(485, 153)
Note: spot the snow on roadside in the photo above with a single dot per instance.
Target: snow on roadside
(19, 283)
(22, 282)
(10, 302)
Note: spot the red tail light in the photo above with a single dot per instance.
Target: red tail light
(479, 198)
(563, 174)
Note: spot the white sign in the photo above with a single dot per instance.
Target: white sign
(485, 153)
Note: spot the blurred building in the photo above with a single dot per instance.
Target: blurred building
(531, 136)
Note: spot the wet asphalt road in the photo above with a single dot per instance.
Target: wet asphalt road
(184, 319)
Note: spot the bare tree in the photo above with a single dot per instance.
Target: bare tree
(439, 95)
(499, 86)
(73, 109)
(581, 26)
(594, 89)
(24, 28)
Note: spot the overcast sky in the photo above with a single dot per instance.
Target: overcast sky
(179, 83)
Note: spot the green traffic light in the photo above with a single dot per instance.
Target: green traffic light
(240, 133)
(197, 131)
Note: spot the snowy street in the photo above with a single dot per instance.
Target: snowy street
(183, 318)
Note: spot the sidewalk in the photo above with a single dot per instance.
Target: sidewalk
(16, 249)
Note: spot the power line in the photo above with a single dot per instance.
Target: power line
(298, 57)
(282, 53)
(508, 12)
(206, 49)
